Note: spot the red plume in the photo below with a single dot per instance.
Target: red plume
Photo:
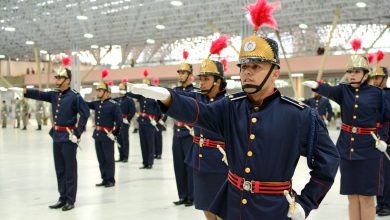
(146, 73)
(156, 81)
(185, 54)
(104, 73)
(379, 56)
(261, 14)
(110, 83)
(219, 44)
(356, 44)
(370, 58)
(66, 61)
(124, 81)
(224, 63)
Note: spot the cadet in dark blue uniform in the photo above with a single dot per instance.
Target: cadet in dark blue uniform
(322, 105)
(147, 120)
(207, 155)
(128, 111)
(159, 141)
(379, 78)
(67, 104)
(265, 134)
(182, 141)
(362, 111)
(108, 119)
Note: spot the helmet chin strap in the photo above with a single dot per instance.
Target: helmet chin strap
(206, 92)
(101, 97)
(258, 87)
(188, 75)
(59, 86)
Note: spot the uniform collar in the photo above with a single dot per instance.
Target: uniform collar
(189, 86)
(266, 100)
(65, 91)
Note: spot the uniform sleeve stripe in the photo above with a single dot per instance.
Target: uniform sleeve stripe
(197, 113)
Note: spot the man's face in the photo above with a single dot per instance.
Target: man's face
(182, 76)
(61, 81)
(100, 93)
(379, 81)
(255, 73)
(206, 82)
(355, 76)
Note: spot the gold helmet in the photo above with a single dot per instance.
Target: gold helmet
(184, 66)
(256, 48)
(63, 71)
(103, 85)
(379, 70)
(357, 61)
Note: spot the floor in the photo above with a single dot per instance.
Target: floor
(28, 185)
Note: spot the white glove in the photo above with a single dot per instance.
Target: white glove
(311, 84)
(152, 92)
(326, 121)
(161, 122)
(295, 211)
(153, 122)
(381, 146)
(73, 138)
(110, 135)
(16, 89)
(192, 132)
(125, 121)
(137, 115)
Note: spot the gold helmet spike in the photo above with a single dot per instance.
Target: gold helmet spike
(102, 84)
(63, 71)
(357, 61)
(184, 66)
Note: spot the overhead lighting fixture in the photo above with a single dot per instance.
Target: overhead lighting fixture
(94, 7)
(43, 51)
(94, 46)
(150, 41)
(10, 29)
(140, 5)
(88, 35)
(29, 42)
(176, 3)
(303, 26)
(2, 21)
(2, 56)
(160, 27)
(297, 75)
(361, 4)
(81, 17)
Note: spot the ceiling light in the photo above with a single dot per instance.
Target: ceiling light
(140, 5)
(2, 56)
(2, 21)
(94, 46)
(160, 27)
(361, 4)
(150, 41)
(303, 26)
(297, 75)
(10, 29)
(88, 35)
(29, 42)
(43, 52)
(176, 3)
(81, 17)
(94, 7)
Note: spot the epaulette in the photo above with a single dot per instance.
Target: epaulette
(236, 96)
(196, 91)
(294, 102)
(113, 101)
(74, 91)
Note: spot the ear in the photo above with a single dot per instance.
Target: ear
(276, 74)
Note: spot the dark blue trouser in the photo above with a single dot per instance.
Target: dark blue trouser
(105, 156)
(384, 201)
(123, 140)
(147, 140)
(65, 163)
(158, 142)
(183, 172)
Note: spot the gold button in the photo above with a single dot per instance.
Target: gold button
(254, 120)
(144, 101)
(357, 96)
(244, 201)
(97, 123)
(352, 139)
(356, 90)
(211, 100)
(98, 117)
(247, 170)
(252, 136)
(200, 155)
(352, 149)
(55, 116)
(354, 117)
(356, 106)
(249, 153)
(100, 106)
(256, 109)
(58, 105)
(178, 129)
(57, 110)
(98, 112)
